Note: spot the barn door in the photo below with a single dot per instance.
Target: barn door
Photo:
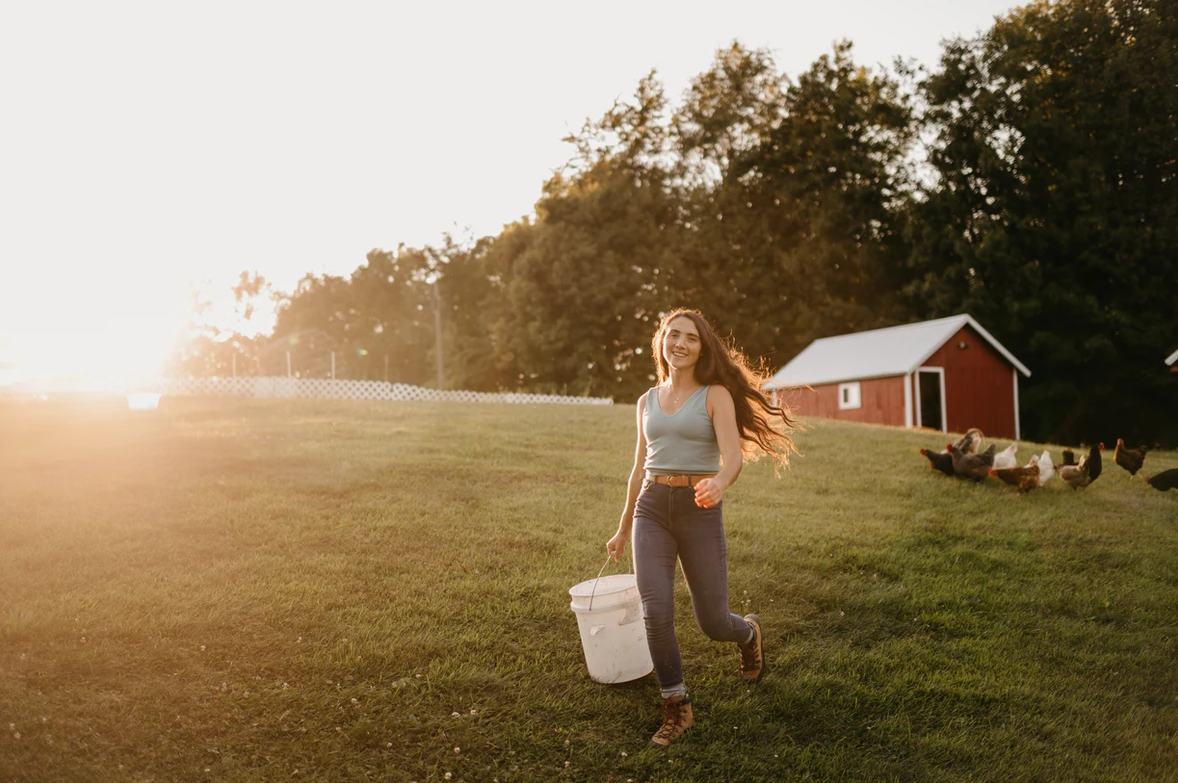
(930, 398)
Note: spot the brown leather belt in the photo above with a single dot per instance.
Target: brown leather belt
(679, 480)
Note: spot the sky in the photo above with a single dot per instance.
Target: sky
(147, 147)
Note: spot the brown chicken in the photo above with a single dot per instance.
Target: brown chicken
(972, 466)
(1129, 459)
(1025, 479)
(1076, 476)
(1166, 480)
(970, 442)
(939, 460)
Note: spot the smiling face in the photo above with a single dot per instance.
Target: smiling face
(681, 344)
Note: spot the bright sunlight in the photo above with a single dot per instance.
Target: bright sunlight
(95, 340)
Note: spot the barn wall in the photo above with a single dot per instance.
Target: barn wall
(979, 391)
(883, 402)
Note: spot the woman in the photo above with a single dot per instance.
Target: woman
(693, 431)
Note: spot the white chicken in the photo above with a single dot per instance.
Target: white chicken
(1046, 469)
(1005, 458)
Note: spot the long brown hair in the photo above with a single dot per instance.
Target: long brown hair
(764, 427)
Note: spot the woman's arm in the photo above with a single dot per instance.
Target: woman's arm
(709, 492)
(617, 545)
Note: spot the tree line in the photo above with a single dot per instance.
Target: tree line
(1029, 179)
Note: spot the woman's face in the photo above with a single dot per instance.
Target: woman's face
(681, 344)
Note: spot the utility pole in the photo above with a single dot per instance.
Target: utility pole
(438, 330)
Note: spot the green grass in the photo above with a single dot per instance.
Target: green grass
(260, 590)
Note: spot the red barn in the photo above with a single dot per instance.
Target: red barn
(949, 374)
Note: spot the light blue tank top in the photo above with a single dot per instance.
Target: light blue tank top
(684, 442)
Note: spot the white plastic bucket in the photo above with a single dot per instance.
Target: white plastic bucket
(609, 613)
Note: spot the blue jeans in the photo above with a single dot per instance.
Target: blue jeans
(668, 526)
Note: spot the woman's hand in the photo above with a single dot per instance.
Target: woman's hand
(617, 545)
(708, 493)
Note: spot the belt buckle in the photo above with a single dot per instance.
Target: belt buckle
(679, 481)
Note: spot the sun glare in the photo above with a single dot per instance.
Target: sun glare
(90, 333)
(103, 337)
(87, 353)
(92, 360)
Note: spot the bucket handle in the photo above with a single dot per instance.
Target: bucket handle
(599, 573)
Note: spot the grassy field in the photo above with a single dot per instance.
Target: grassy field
(241, 590)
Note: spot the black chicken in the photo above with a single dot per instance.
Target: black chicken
(1167, 479)
(1094, 462)
(939, 460)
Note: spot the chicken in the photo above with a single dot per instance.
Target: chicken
(1046, 469)
(970, 442)
(1076, 476)
(1095, 463)
(1069, 457)
(939, 460)
(1166, 480)
(1129, 459)
(972, 466)
(1005, 458)
(1025, 479)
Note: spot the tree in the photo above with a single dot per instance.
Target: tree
(313, 323)
(470, 293)
(800, 238)
(728, 110)
(581, 285)
(1055, 212)
(227, 342)
(381, 313)
(392, 304)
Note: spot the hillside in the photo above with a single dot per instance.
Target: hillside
(259, 590)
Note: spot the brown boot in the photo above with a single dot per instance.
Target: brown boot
(677, 719)
(752, 658)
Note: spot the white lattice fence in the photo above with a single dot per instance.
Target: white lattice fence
(323, 388)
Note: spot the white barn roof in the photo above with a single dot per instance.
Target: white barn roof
(879, 353)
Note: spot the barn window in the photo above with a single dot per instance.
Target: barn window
(849, 396)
